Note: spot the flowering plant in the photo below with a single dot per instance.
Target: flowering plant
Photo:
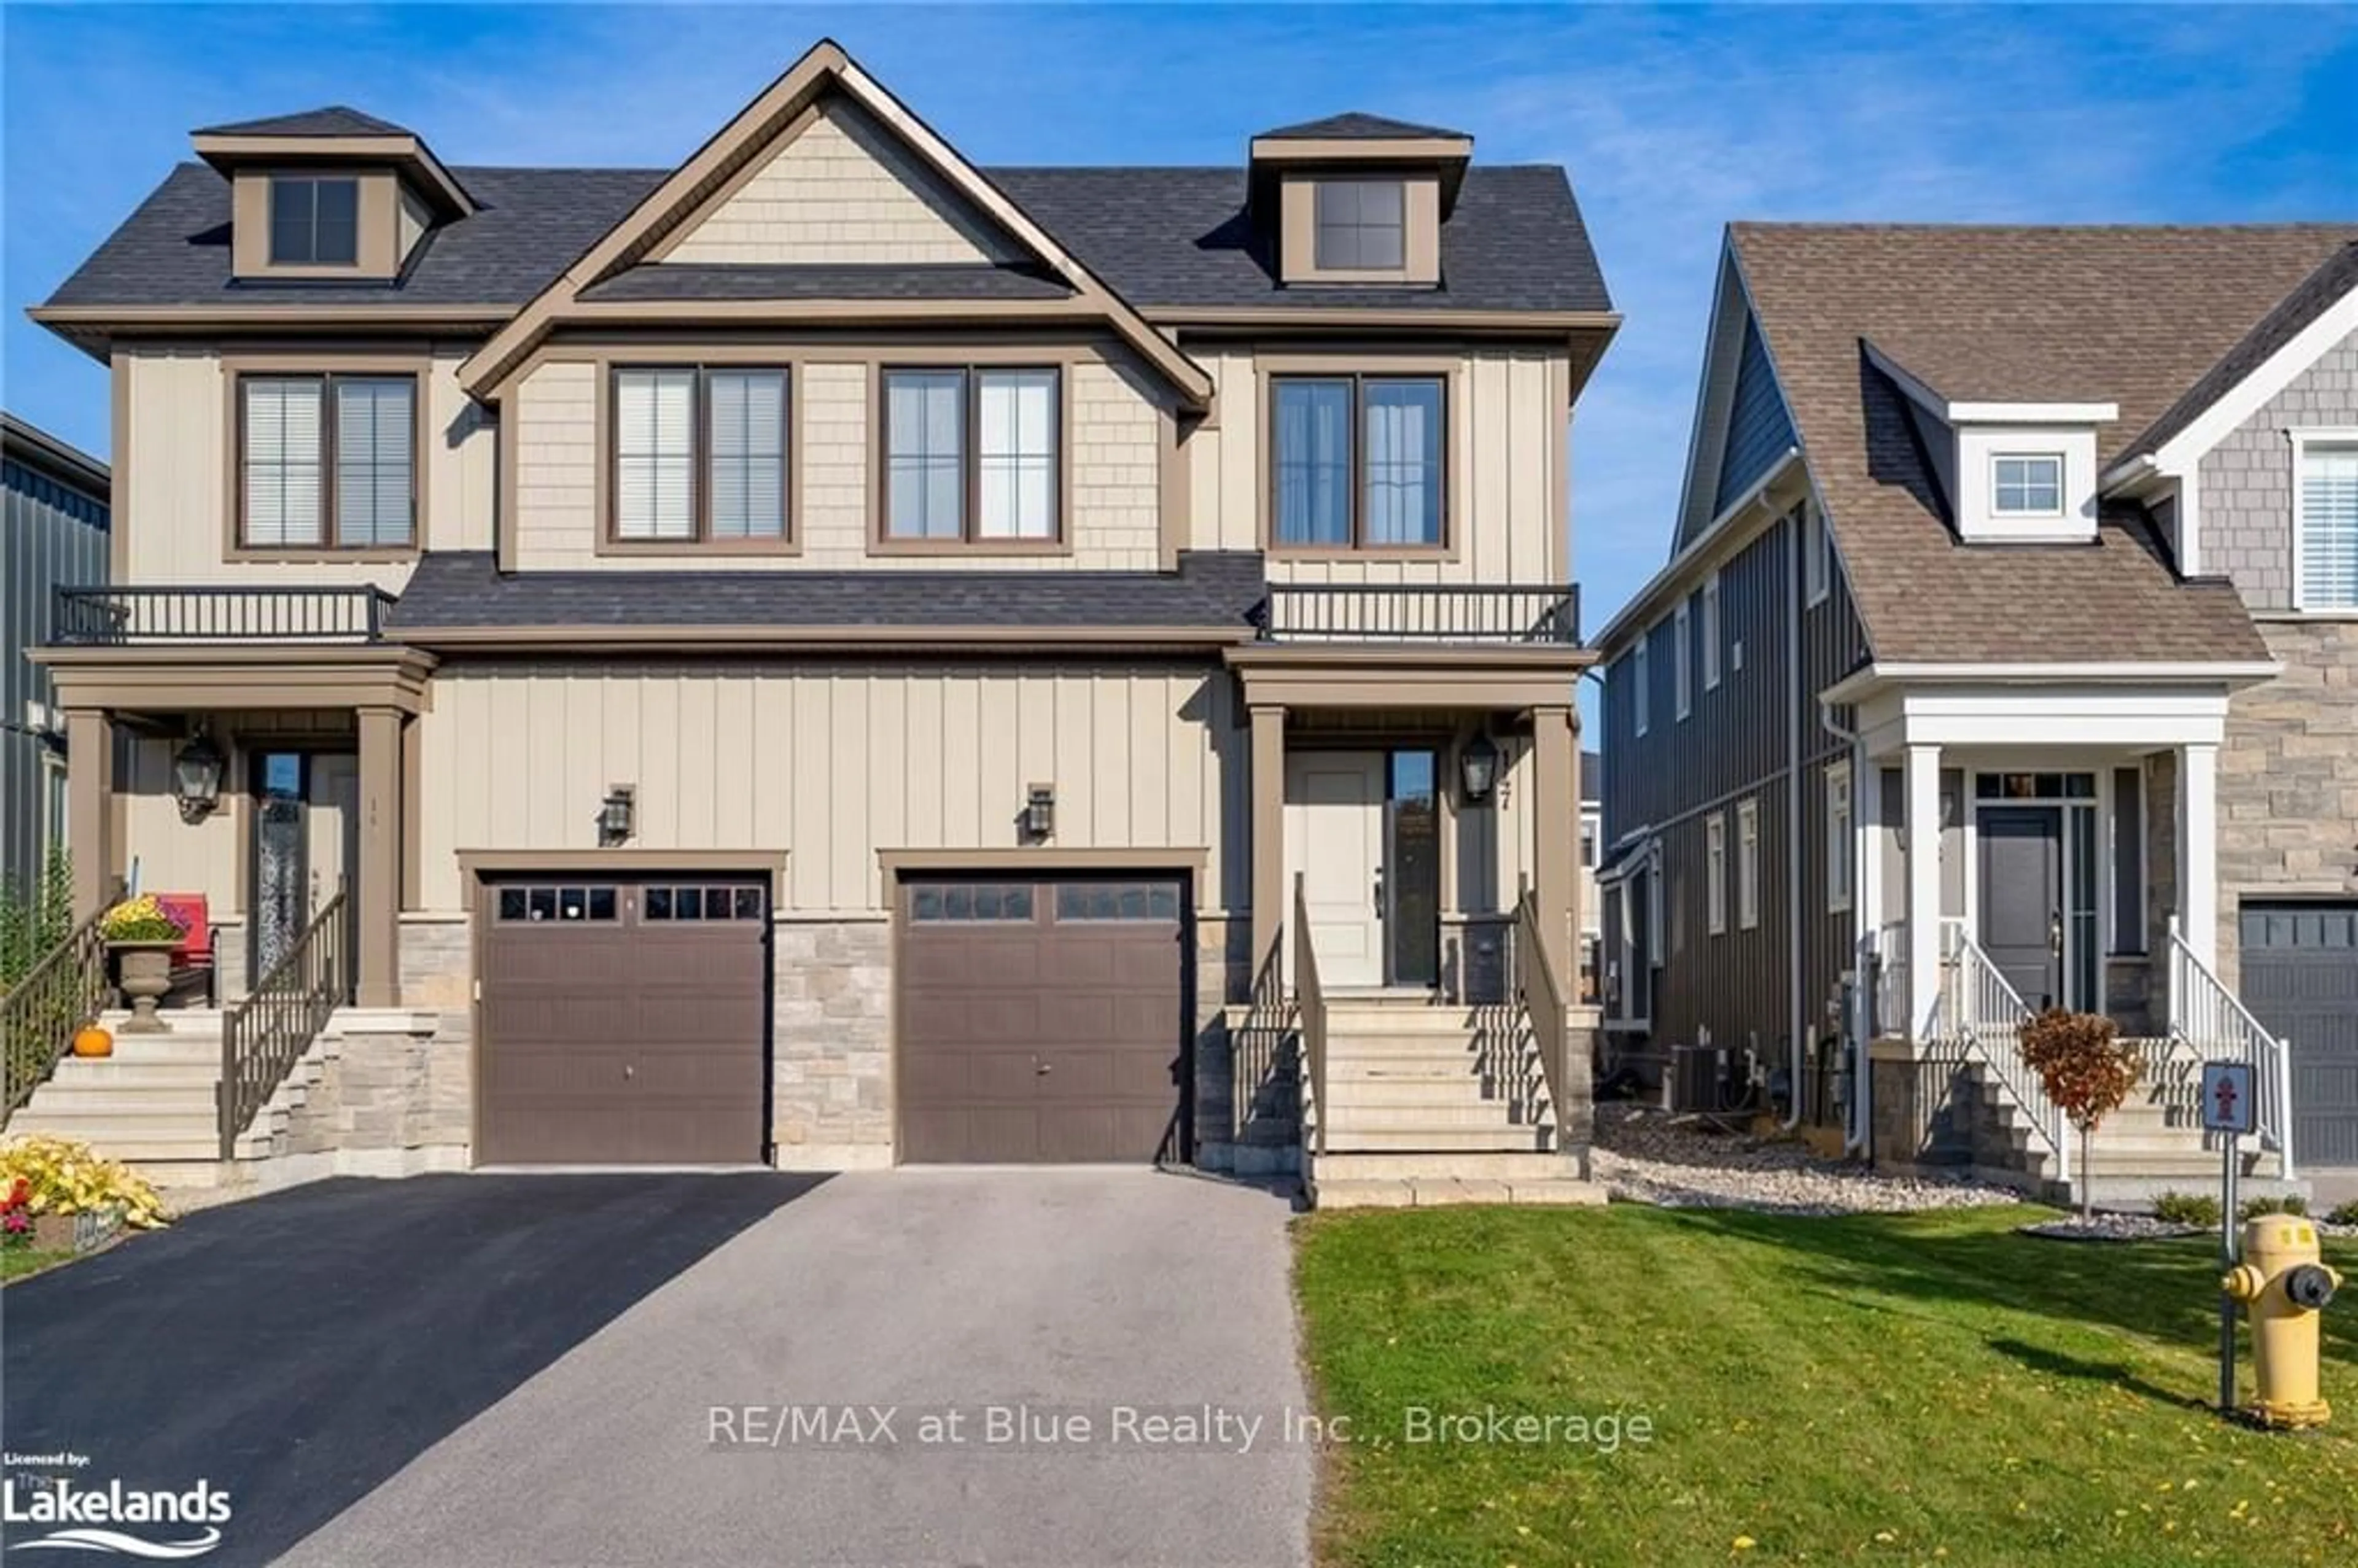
(16, 1215)
(58, 1176)
(140, 919)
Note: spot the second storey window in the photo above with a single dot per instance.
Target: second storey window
(2325, 509)
(314, 222)
(1362, 225)
(1357, 462)
(328, 461)
(699, 455)
(972, 455)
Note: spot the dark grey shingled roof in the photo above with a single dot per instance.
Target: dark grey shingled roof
(335, 120)
(1355, 126)
(454, 589)
(1159, 236)
(713, 280)
(1180, 237)
(533, 222)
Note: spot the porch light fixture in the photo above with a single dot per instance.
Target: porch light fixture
(1039, 809)
(614, 816)
(1477, 767)
(197, 778)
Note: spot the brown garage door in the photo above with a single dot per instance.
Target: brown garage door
(1041, 1021)
(622, 1022)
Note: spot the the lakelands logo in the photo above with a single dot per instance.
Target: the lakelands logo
(166, 1526)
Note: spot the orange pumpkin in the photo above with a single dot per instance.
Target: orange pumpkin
(89, 1040)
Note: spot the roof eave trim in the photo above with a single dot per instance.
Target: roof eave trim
(2235, 673)
(932, 638)
(1641, 603)
(225, 153)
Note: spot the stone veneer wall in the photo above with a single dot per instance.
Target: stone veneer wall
(831, 1052)
(2288, 777)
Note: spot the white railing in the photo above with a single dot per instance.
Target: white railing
(1888, 1000)
(1988, 1014)
(2208, 1017)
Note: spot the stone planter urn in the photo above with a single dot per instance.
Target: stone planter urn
(144, 970)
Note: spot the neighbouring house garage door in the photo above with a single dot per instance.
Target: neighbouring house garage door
(1041, 1021)
(2301, 978)
(623, 1022)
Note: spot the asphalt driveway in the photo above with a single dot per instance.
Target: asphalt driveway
(1051, 1367)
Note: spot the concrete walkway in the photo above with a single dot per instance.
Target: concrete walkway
(1005, 1307)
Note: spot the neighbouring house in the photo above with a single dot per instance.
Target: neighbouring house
(832, 655)
(2006, 656)
(56, 533)
(1592, 916)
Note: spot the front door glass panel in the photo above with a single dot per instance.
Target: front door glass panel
(281, 903)
(1413, 870)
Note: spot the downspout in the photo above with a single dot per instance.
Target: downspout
(1796, 1014)
(1854, 1134)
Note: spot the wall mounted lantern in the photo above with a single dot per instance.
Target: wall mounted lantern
(1040, 810)
(197, 777)
(1477, 767)
(615, 823)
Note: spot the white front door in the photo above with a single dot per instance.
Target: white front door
(1334, 840)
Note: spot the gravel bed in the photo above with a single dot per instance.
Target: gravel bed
(2108, 1225)
(1644, 1155)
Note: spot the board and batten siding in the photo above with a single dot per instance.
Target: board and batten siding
(1505, 455)
(173, 474)
(832, 763)
(51, 536)
(1112, 513)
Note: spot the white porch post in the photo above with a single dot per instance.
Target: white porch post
(1866, 882)
(1923, 777)
(2198, 850)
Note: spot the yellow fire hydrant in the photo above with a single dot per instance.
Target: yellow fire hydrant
(2283, 1285)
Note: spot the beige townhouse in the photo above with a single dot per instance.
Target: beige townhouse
(830, 655)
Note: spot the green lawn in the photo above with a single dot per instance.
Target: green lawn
(1923, 1389)
(16, 1262)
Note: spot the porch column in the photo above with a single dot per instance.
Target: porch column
(1270, 912)
(90, 806)
(1923, 778)
(1555, 835)
(1867, 895)
(2198, 850)
(378, 886)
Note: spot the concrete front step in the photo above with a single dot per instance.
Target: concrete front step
(75, 1100)
(1435, 1166)
(1462, 1088)
(1465, 1114)
(1435, 1192)
(113, 1072)
(1351, 1021)
(1435, 1047)
(1458, 1067)
(1437, 1140)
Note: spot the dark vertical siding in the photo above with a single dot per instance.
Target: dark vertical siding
(1759, 430)
(1738, 744)
(1833, 645)
(50, 535)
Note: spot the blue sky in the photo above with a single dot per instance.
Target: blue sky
(1672, 122)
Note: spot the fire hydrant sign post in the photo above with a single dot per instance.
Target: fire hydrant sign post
(2229, 1107)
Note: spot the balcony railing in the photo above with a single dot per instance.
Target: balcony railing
(1420, 612)
(105, 617)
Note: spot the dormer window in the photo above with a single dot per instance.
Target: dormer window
(2027, 484)
(1362, 225)
(314, 222)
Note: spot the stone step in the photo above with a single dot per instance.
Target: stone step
(1404, 1068)
(158, 1048)
(98, 1071)
(1459, 1088)
(142, 1153)
(1436, 1046)
(70, 1098)
(1435, 1192)
(1470, 1115)
(1437, 1140)
(1345, 1019)
(1475, 1166)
